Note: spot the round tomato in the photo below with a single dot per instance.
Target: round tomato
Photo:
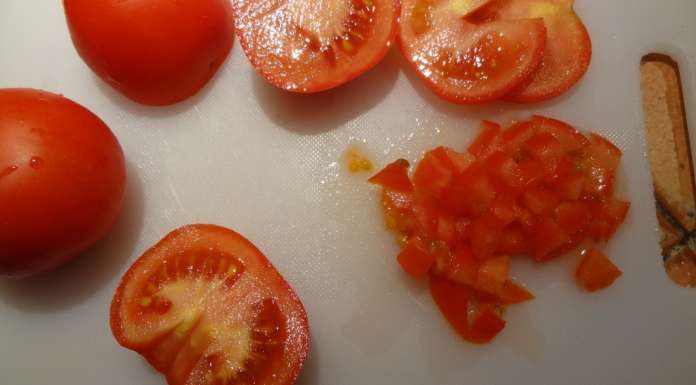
(62, 180)
(156, 52)
(465, 62)
(205, 306)
(309, 46)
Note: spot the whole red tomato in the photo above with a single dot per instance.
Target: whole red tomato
(156, 52)
(62, 180)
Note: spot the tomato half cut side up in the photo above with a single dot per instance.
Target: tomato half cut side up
(464, 62)
(309, 46)
(205, 306)
(568, 46)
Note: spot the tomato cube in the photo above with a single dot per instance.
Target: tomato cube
(472, 193)
(548, 238)
(415, 259)
(503, 169)
(432, 176)
(596, 271)
(493, 273)
(486, 232)
(453, 301)
(571, 139)
(573, 217)
(514, 241)
(485, 327)
(540, 200)
(514, 137)
(394, 177)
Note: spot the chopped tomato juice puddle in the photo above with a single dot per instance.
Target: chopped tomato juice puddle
(539, 188)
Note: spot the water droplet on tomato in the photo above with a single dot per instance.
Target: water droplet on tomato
(36, 163)
(8, 170)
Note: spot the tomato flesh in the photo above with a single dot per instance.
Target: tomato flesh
(62, 181)
(310, 46)
(204, 306)
(465, 62)
(596, 271)
(536, 189)
(568, 49)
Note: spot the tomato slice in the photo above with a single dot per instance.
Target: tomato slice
(394, 177)
(464, 62)
(205, 306)
(596, 271)
(568, 46)
(308, 46)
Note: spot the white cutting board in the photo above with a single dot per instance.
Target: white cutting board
(245, 155)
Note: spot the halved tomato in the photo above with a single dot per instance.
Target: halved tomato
(568, 47)
(464, 62)
(309, 46)
(205, 306)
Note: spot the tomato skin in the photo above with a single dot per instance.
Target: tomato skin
(156, 52)
(125, 321)
(62, 180)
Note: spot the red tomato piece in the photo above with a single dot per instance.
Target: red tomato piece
(458, 162)
(532, 171)
(607, 218)
(156, 52)
(394, 177)
(596, 271)
(487, 141)
(546, 149)
(486, 326)
(572, 141)
(511, 293)
(486, 232)
(471, 193)
(493, 273)
(462, 229)
(415, 259)
(514, 137)
(504, 210)
(427, 213)
(464, 266)
(62, 180)
(569, 186)
(514, 241)
(310, 46)
(503, 169)
(204, 303)
(398, 212)
(599, 182)
(548, 238)
(568, 47)
(540, 200)
(446, 230)
(573, 217)
(526, 218)
(465, 62)
(432, 176)
(453, 301)
(603, 153)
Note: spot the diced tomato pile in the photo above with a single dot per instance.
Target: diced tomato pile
(539, 188)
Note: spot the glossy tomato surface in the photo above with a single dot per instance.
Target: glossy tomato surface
(308, 46)
(156, 52)
(205, 306)
(568, 46)
(62, 180)
(465, 62)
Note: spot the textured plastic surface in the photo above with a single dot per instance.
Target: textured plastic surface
(245, 155)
